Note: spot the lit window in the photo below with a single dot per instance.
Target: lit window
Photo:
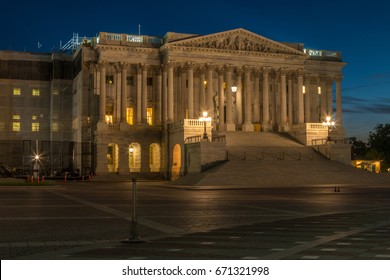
(17, 91)
(319, 90)
(54, 127)
(16, 117)
(129, 115)
(303, 89)
(149, 116)
(108, 119)
(35, 126)
(109, 79)
(16, 126)
(34, 117)
(35, 92)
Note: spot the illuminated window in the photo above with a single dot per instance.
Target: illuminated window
(35, 92)
(35, 126)
(149, 116)
(16, 117)
(17, 91)
(303, 89)
(16, 126)
(34, 118)
(129, 115)
(109, 119)
(319, 90)
(109, 79)
(54, 126)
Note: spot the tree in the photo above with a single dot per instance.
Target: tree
(359, 149)
(379, 140)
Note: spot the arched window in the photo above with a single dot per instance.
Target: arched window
(135, 157)
(154, 157)
(176, 162)
(112, 157)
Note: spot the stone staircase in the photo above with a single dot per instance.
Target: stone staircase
(274, 159)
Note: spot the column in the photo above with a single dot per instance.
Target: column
(123, 67)
(202, 93)
(307, 100)
(266, 71)
(301, 114)
(118, 95)
(221, 99)
(182, 106)
(159, 97)
(290, 100)
(164, 101)
(170, 92)
(239, 96)
(323, 98)
(102, 97)
(190, 90)
(209, 94)
(283, 98)
(144, 102)
(338, 101)
(139, 94)
(256, 98)
(248, 125)
(230, 126)
(329, 93)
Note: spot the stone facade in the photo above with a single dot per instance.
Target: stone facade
(134, 95)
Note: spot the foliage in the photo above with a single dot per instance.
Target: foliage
(379, 143)
(359, 149)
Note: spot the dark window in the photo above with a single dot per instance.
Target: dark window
(149, 81)
(130, 80)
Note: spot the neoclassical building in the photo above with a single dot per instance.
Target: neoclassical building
(137, 99)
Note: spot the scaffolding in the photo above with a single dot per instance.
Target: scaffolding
(73, 43)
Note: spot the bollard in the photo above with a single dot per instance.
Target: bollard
(134, 237)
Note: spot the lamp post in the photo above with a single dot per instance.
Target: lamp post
(205, 119)
(134, 237)
(328, 123)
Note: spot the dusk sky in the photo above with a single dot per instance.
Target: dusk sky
(360, 30)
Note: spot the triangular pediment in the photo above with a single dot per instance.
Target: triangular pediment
(236, 40)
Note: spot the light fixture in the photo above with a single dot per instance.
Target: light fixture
(205, 119)
(328, 123)
(234, 89)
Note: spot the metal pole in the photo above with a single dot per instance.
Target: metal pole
(134, 237)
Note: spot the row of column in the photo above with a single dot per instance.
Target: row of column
(298, 99)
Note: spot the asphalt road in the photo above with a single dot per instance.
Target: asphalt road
(76, 220)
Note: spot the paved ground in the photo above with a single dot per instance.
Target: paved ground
(89, 221)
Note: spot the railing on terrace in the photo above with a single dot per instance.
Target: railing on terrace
(336, 140)
(129, 39)
(323, 54)
(193, 139)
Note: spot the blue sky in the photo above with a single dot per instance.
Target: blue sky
(359, 30)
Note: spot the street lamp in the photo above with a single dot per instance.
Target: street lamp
(328, 123)
(205, 119)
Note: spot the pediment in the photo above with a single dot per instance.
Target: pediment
(236, 40)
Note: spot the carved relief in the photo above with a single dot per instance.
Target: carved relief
(237, 43)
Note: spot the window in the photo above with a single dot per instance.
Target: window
(35, 126)
(108, 119)
(17, 91)
(130, 80)
(54, 127)
(34, 117)
(149, 81)
(109, 79)
(149, 116)
(129, 115)
(16, 126)
(35, 92)
(16, 117)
